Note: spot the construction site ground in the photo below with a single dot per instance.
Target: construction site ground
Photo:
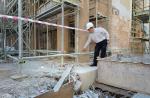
(36, 77)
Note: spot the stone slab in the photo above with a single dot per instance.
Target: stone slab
(130, 76)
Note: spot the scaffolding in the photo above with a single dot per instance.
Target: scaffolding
(139, 35)
(27, 39)
(96, 15)
(21, 33)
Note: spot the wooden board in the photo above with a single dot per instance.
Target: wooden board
(65, 92)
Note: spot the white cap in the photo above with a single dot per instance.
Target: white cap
(89, 25)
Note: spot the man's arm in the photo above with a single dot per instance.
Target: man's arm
(87, 42)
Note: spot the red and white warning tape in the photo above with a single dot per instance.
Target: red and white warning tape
(15, 18)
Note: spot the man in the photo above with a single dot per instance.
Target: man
(100, 36)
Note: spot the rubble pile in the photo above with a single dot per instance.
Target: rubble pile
(38, 80)
(41, 77)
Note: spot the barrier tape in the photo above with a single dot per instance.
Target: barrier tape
(15, 18)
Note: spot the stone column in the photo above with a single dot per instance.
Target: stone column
(82, 36)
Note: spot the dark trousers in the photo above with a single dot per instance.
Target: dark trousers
(100, 50)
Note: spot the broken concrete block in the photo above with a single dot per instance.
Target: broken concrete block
(62, 79)
(77, 85)
(129, 76)
(87, 76)
(18, 76)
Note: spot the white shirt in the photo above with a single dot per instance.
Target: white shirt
(97, 36)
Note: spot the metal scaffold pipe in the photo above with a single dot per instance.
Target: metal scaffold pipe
(20, 43)
(62, 32)
(77, 34)
(3, 29)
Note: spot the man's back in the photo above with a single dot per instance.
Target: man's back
(99, 34)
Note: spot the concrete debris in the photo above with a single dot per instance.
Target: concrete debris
(87, 76)
(41, 78)
(138, 95)
(91, 94)
(95, 94)
(77, 85)
(99, 93)
(87, 94)
(6, 96)
(18, 76)
(64, 75)
(29, 87)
